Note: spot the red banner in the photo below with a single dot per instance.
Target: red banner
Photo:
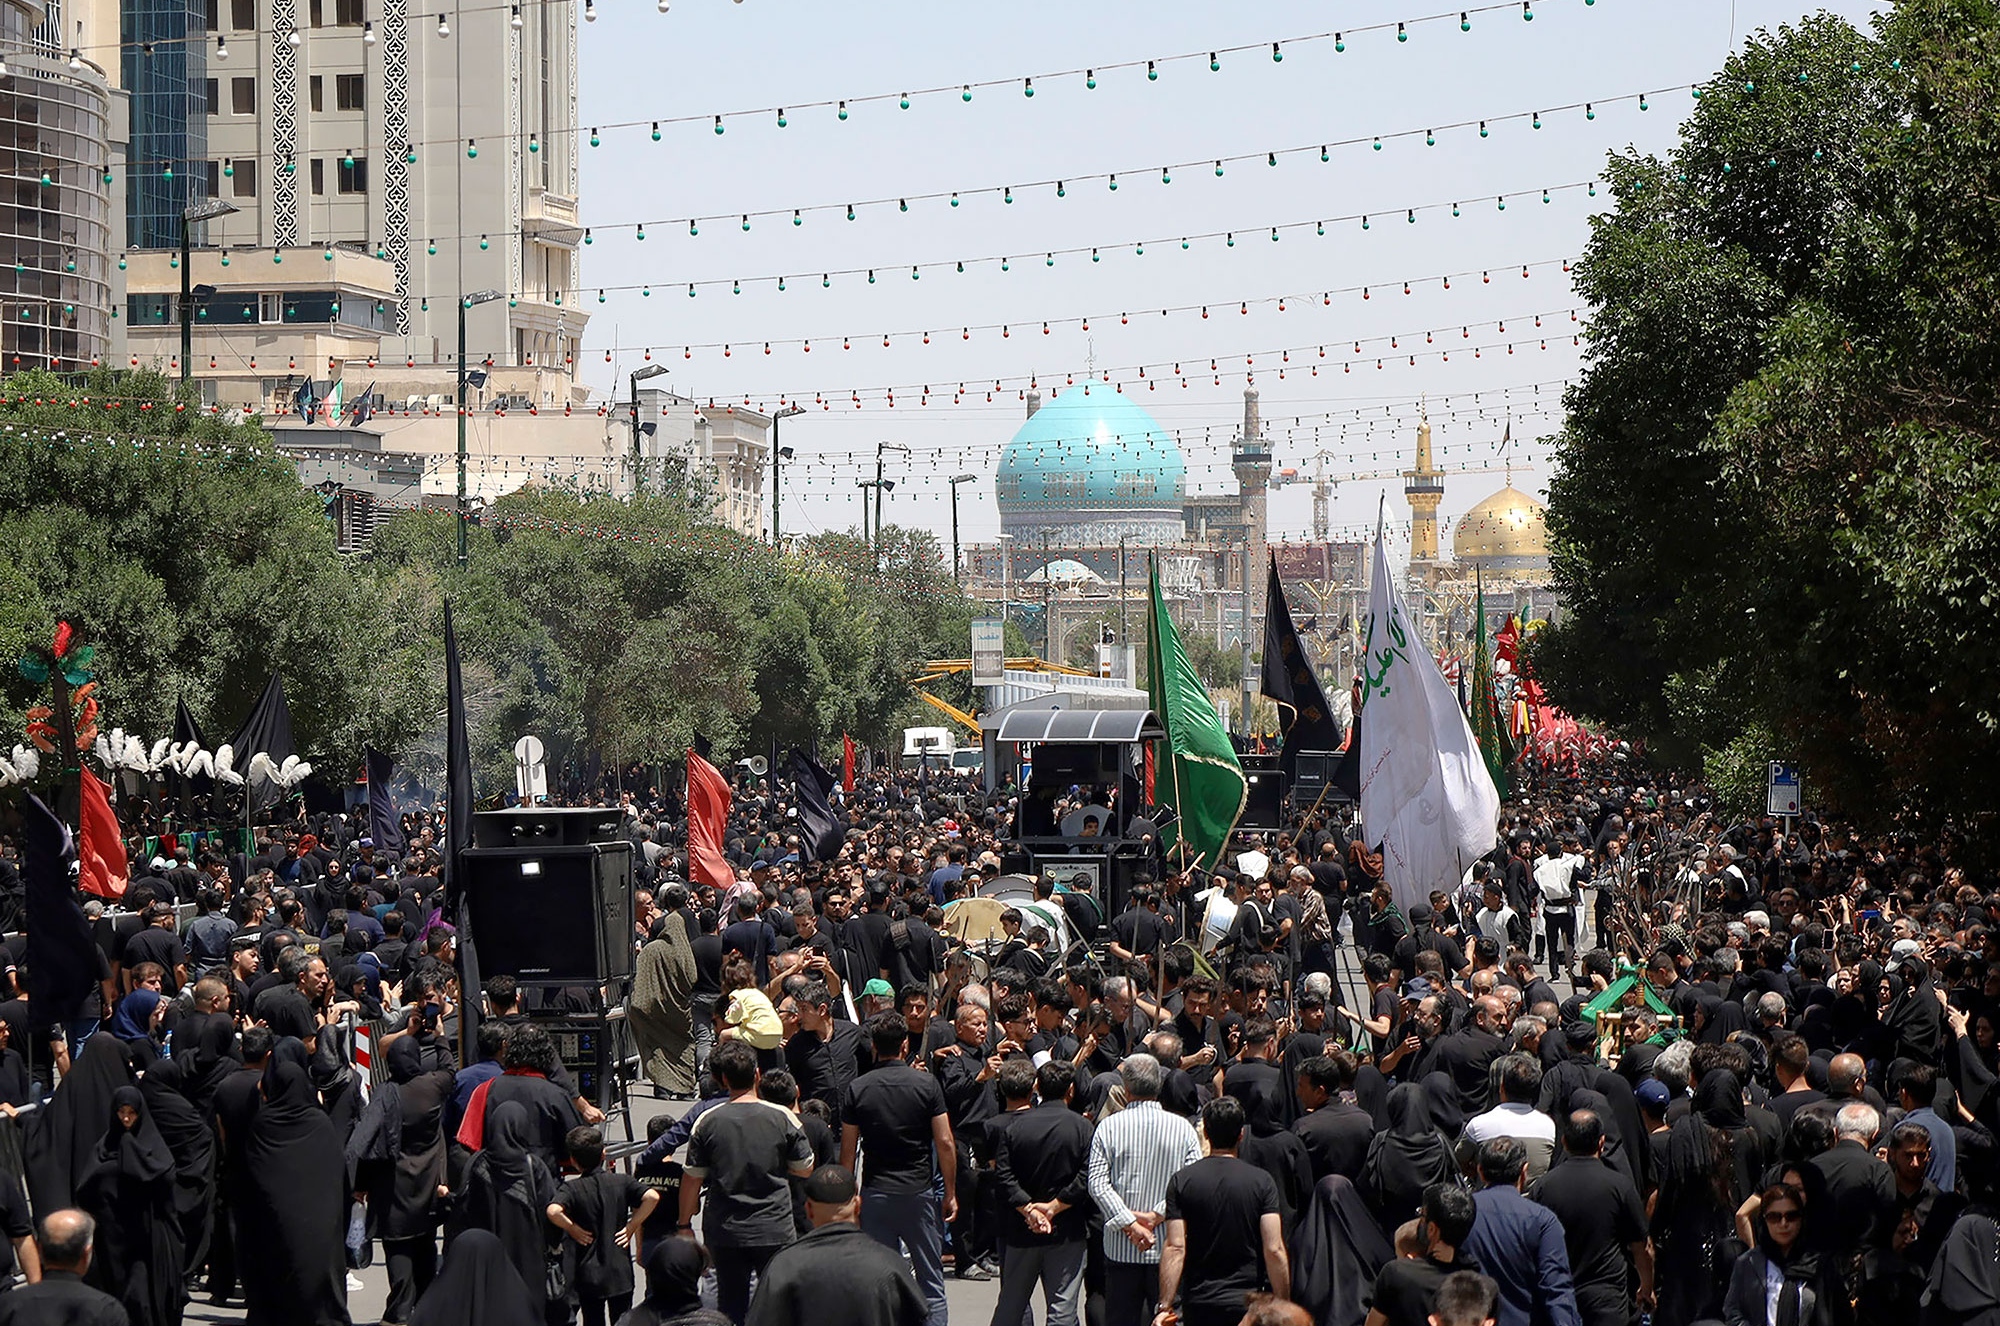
(100, 850)
(708, 817)
(847, 764)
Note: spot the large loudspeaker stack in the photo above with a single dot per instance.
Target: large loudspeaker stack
(1263, 806)
(550, 893)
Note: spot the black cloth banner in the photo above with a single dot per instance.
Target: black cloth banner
(1289, 679)
(383, 826)
(820, 828)
(268, 730)
(62, 959)
(458, 837)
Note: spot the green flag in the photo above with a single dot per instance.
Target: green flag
(1486, 724)
(1199, 775)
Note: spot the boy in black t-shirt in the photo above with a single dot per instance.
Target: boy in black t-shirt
(663, 1178)
(602, 1212)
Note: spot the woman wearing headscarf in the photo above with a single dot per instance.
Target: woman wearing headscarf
(1713, 1159)
(132, 1026)
(129, 1192)
(1718, 1018)
(397, 1153)
(1446, 1112)
(1808, 1290)
(61, 1145)
(293, 1226)
(673, 1288)
(507, 1192)
(659, 1009)
(189, 1132)
(1404, 1159)
(1624, 1121)
(476, 1286)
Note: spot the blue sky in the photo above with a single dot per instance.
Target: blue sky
(707, 57)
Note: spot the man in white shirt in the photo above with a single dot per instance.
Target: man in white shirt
(1555, 880)
(1516, 1116)
(1495, 919)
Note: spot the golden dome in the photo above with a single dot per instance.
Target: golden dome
(1507, 531)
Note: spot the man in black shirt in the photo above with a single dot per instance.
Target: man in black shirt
(158, 943)
(1405, 1290)
(897, 1116)
(1604, 1224)
(1336, 1133)
(1136, 931)
(825, 1053)
(1039, 1170)
(1222, 1236)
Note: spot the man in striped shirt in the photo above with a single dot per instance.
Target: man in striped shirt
(1133, 1155)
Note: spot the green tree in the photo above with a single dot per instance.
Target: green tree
(1777, 510)
(188, 552)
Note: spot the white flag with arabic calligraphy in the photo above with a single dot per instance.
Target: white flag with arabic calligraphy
(1426, 796)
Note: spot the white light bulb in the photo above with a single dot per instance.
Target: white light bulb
(590, 11)
(515, 21)
(222, 48)
(75, 59)
(664, 6)
(368, 33)
(444, 28)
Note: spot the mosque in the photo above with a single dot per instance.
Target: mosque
(1090, 484)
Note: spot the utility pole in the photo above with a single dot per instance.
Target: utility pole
(779, 453)
(955, 481)
(1124, 606)
(1048, 603)
(638, 458)
(464, 407)
(882, 485)
(207, 210)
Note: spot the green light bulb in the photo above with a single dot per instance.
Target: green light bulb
(595, 141)
(905, 103)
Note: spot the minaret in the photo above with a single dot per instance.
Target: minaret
(1423, 487)
(1251, 459)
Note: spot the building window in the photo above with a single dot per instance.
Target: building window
(271, 308)
(212, 15)
(354, 175)
(348, 92)
(214, 179)
(246, 178)
(318, 177)
(243, 15)
(315, 10)
(348, 13)
(213, 88)
(318, 94)
(243, 96)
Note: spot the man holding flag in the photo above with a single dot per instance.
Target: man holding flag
(1426, 794)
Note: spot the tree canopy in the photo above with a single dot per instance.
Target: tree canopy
(1774, 516)
(188, 553)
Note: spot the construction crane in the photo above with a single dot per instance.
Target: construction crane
(938, 669)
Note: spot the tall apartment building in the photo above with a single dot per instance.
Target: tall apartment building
(62, 131)
(440, 142)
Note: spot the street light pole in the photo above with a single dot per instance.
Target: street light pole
(778, 453)
(207, 210)
(882, 485)
(638, 457)
(465, 302)
(955, 481)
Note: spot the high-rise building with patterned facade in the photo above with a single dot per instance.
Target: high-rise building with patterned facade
(59, 143)
(442, 143)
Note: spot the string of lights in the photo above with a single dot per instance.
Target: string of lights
(1058, 185)
(293, 35)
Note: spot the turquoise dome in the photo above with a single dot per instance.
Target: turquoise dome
(1091, 452)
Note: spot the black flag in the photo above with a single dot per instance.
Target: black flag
(267, 729)
(458, 837)
(62, 957)
(820, 827)
(383, 826)
(1290, 680)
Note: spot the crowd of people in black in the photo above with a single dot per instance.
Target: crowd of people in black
(1642, 1062)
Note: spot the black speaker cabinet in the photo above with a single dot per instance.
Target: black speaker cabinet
(552, 915)
(1263, 809)
(1313, 772)
(546, 826)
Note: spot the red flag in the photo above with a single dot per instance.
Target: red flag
(100, 850)
(847, 764)
(708, 815)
